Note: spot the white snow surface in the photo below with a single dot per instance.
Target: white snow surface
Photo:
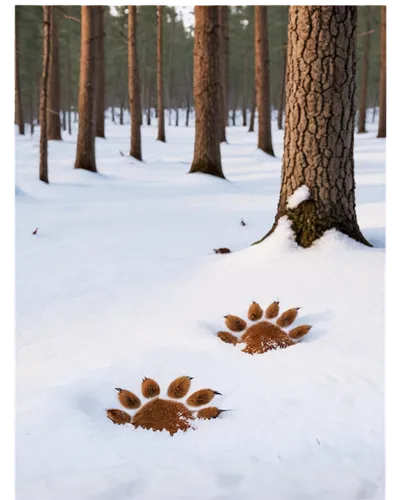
(301, 194)
(121, 282)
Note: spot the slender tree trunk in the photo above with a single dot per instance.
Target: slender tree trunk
(121, 113)
(64, 119)
(207, 154)
(187, 113)
(134, 89)
(319, 126)
(54, 90)
(100, 77)
(43, 167)
(19, 117)
(112, 114)
(176, 113)
(85, 153)
(253, 111)
(68, 82)
(244, 97)
(382, 83)
(375, 101)
(75, 116)
(262, 79)
(223, 19)
(282, 93)
(31, 116)
(160, 90)
(362, 114)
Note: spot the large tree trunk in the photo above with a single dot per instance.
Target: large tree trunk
(262, 79)
(43, 168)
(223, 19)
(68, 82)
(85, 153)
(319, 126)
(282, 96)
(207, 154)
(253, 111)
(382, 83)
(134, 89)
(100, 77)
(160, 96)
(362, 114)
(19, 117)
(54, 90)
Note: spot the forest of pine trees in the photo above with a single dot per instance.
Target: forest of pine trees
(78, 63)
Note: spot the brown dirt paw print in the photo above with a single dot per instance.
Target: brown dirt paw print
(264, 334)
(165, 414)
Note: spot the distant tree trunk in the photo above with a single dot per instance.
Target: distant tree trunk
(187, 113)
(121, 112)
(112, 114)
(43, 168)
(362, 114)
(19, 117)
(134, 89)
(160, 90)
(31, 116)
(319, 126)
(382, 83)
(262, 79)
(68, 82)
(54, 90)
(75, 116)
(282, 96)
(64, 119)
(100, 77)
(244, 96)
(176, 113)
(223, 20)
(85, 153)
(375, 101)
(207, 154)
(253, 111)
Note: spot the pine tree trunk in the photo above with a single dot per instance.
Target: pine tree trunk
(121, 113)
(375, 101)
(223, 19)
(64, 119)
(160, 90)
(134, 89)
(207, 154)
(31, 116)
(112, 114)
(319, 126)
(262, 79)
(100, 77)
(85, 153)
(43, 165)
(382, 83)
(19, 117)
(362, 114)
(68, 82)
(253, 111)
(282, 93)
(54, 91)
(187, 110)
(244, 97)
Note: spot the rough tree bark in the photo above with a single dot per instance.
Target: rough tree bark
(19, 118)
(43, 167)
(253, 111)
(382, 83)
(362, 114)
(207, 154)
(134, 89)
(223, 20)
(262, 79)
(319, 126)
(100, 76)
(85, 153)
(54, 88)
(68, 82)
(160, 96)
(282, 96)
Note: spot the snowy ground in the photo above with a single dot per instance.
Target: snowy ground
(121, 282)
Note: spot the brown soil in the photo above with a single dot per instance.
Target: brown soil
(263, 337)
(160, 414)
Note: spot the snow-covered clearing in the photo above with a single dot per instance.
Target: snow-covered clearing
(121, 282)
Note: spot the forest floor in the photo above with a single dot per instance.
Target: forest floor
(121, 282)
